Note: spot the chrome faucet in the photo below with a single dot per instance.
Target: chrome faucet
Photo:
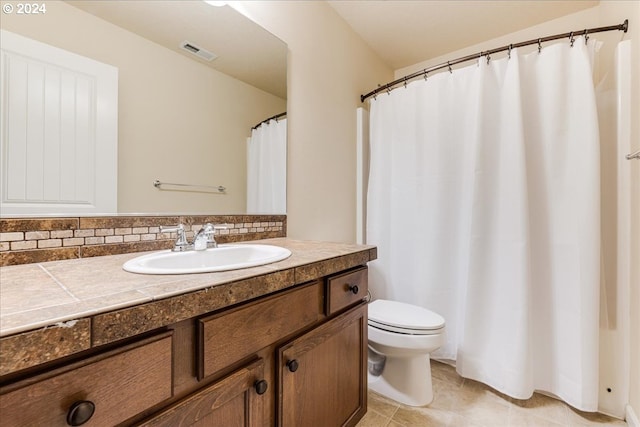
(204, 238)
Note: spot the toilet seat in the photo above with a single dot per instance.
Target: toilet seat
(398, 317)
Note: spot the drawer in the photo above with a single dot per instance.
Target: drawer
(119, 384)
(346, 289)
(230, 336)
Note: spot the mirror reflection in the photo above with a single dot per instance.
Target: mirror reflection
(193, 79)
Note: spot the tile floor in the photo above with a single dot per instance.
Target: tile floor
(460, 402)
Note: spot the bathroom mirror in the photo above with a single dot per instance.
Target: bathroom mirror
(183, 116)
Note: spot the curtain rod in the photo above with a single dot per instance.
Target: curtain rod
(403, 80)
(276, 117)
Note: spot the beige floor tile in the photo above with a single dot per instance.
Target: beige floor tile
(478, 390)
(421, 417)
(373, 419)
(382, 405)
(580, 419)
(445, 395)
(477, 404)
(458, 420)
(525, 418)
(445, 372)
(482, 405)
(543, 407)
(485, 412)
(462, 402)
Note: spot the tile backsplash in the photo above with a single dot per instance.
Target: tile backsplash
(30, 240)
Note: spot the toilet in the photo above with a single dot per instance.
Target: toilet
(401, 337)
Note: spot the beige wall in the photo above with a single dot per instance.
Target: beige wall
(329, 67)
(611, 10)
(179, 121)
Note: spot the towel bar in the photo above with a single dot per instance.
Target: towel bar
(635, 155)
(219, 189)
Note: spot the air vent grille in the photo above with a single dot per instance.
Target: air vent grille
(196, 50)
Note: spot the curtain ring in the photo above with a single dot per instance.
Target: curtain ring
(425, 74)
(539, 45)
(586, 36)
(405, 82)
(571, 39)
(488, 58)
(449, 64)
(509, 53)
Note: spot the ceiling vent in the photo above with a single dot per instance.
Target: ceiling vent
(196, 50)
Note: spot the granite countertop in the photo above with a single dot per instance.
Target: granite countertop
(62, 307)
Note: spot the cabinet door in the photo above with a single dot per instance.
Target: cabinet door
(234, 401)
(322, 374)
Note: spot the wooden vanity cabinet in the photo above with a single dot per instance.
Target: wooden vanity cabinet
(295, 358)
(315, 338)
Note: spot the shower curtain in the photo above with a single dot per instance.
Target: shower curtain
(267, 168)
(484, 202)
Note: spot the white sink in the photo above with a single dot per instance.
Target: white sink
(222, 258)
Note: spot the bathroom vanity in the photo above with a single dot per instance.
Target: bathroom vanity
(281, 344)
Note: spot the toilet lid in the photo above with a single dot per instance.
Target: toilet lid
(401, 317)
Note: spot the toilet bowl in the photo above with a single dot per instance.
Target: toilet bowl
(401, 337)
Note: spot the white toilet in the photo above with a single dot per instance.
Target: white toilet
(401, 336)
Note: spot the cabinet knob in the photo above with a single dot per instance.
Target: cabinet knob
(354, 289)
(80, 412)
(261, 386)
(292, 365)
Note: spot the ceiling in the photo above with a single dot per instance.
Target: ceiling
(401, 32)
(245, 50)
(404, 33)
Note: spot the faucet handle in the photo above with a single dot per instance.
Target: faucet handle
(209, 228)
(181, 239)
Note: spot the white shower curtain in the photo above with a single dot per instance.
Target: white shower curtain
(484, 202)
(267, 168)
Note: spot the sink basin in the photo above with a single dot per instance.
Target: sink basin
(222, 258)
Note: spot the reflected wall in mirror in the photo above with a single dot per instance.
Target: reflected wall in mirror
(181, 119)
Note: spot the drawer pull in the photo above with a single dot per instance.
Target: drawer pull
(292, 365)
(80, 412)
(354, 289)
(261, 386)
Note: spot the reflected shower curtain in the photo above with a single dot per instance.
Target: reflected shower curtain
(267, 168)
(484, 202)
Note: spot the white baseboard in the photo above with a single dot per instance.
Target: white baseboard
(630, 417)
